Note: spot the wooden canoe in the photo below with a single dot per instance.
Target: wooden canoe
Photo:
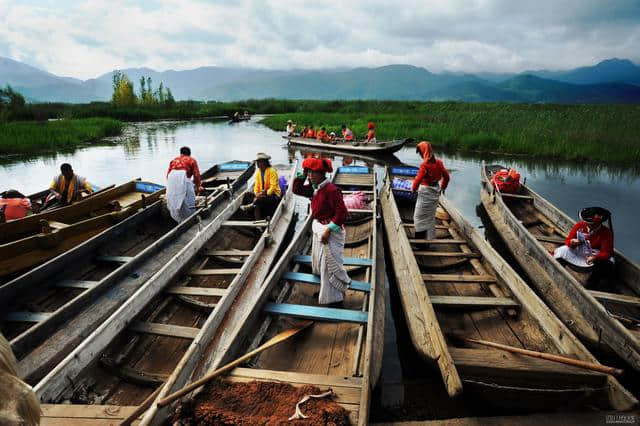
(382, 159)
(343, 348)
(532, 228)
(167, 325)
(38, 199)
(458, 287)
(355, 146)
(79, 289)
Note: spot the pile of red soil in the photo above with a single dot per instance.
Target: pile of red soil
(258, 403)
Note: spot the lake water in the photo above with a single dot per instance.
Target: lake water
(145, 150)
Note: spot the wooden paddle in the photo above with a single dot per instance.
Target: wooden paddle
(550, 357)
(278, 338)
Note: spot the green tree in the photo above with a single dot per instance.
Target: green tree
(170, 102)
(142, 89)
(11, 103)
(123, 94)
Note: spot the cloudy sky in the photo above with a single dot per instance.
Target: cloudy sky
(84, 39)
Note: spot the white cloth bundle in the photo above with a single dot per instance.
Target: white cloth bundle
(327, 261)
(181, 195)
(424, 215)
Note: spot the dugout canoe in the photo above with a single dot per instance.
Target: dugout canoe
(342, 350)
(354, 146)
(370, 159)
(532, 227)
(78, 290)
(457, 287)
(167, 324)
(38, 199)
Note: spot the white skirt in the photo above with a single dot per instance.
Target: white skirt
(181, 195)
(327, 260)
(424, 215)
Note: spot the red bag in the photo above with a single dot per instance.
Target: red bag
(507, 181)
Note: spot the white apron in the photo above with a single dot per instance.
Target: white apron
(424, 215)
(181, 195)
(327, 261)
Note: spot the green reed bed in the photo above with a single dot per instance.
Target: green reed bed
(600, 133)
(61, 135)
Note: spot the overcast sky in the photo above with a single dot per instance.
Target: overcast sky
(85, 39)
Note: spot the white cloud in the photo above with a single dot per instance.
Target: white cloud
(88, 38)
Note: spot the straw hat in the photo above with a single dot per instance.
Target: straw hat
(289, 121)
(262, 156)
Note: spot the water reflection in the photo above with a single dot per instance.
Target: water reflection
(144, 150)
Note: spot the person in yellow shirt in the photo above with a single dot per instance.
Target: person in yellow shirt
(266, 189)
(67, 186)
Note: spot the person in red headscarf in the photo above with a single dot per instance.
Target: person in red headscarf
(371, 134)
(590, 245)
(432, 180)
(423, 149)
(329, 215)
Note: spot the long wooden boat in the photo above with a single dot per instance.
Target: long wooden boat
(343, 348)
(170, 320)
(532, 227)
(380, 159)
(38, 199)
(458, 287)
(79, 289)
(353, 146)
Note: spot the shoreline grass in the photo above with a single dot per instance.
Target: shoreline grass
(38, 137)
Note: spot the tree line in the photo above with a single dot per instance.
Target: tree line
(124, 93)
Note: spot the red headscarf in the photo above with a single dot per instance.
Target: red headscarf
(370, 125)
(318, 164)
(425, 149)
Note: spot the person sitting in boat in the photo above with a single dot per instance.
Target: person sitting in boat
(322, 135)
(67, 187)
(590, 245)
(18, 403)
(371, 134)
(266, 189)
(291, 128)
(432, 180)
(347, 133)
(329, 215)
(303, 132)
(311, 133)
(181, 192)
(332, 136)
(14, 205)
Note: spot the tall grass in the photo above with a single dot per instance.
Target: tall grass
(61, 135)
(599, 133)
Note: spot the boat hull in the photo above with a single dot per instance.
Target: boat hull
(355, 147)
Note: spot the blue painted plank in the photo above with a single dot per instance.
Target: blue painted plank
(356, 261)
(404, 171)
(25, 316)
(317, 313)
(148, 187)
(233, 167)
(315, 279)
(356, 170)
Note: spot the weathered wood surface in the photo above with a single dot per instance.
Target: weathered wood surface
(361, 146)
(568, 298)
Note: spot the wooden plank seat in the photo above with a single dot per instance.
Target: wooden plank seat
(232, 271)
(411, 225)
(197, 291)
(82, 284)
(428, 253)
(228, 253)
(246, 223)
(355, 261)
(549, 239)
(315, 279)
(116, 259)
(459, 278)
(26, 316)
(438, 241)
(616, 298)
(316, 313)
(368, 211)
(473, 302)
(165, 330)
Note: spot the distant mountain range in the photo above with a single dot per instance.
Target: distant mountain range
(610, 81)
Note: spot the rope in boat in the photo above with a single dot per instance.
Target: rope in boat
(518, 388)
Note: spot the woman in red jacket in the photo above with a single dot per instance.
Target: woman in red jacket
(371, 134)
(590, 245)
(329, 215)
(432, 179)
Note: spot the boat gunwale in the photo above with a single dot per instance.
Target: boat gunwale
(389, 147)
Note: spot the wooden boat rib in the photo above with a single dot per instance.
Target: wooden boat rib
(343, 355)
(532, 227)
(356, 146)
(166, 324)
(78, 290)
(483, 298)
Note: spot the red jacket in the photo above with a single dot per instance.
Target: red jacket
(431, 172)
(189, 164)
(327, 205)
(602, 239)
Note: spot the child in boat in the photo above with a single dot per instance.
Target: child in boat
(432, 180)
(18, 402)
(266, 189)
(590, 245)
(329, 215)
(371, 134)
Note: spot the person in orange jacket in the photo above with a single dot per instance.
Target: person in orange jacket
(322, 135)
(311, 133)
(347, 133)
(371, 134)
(14, 205)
